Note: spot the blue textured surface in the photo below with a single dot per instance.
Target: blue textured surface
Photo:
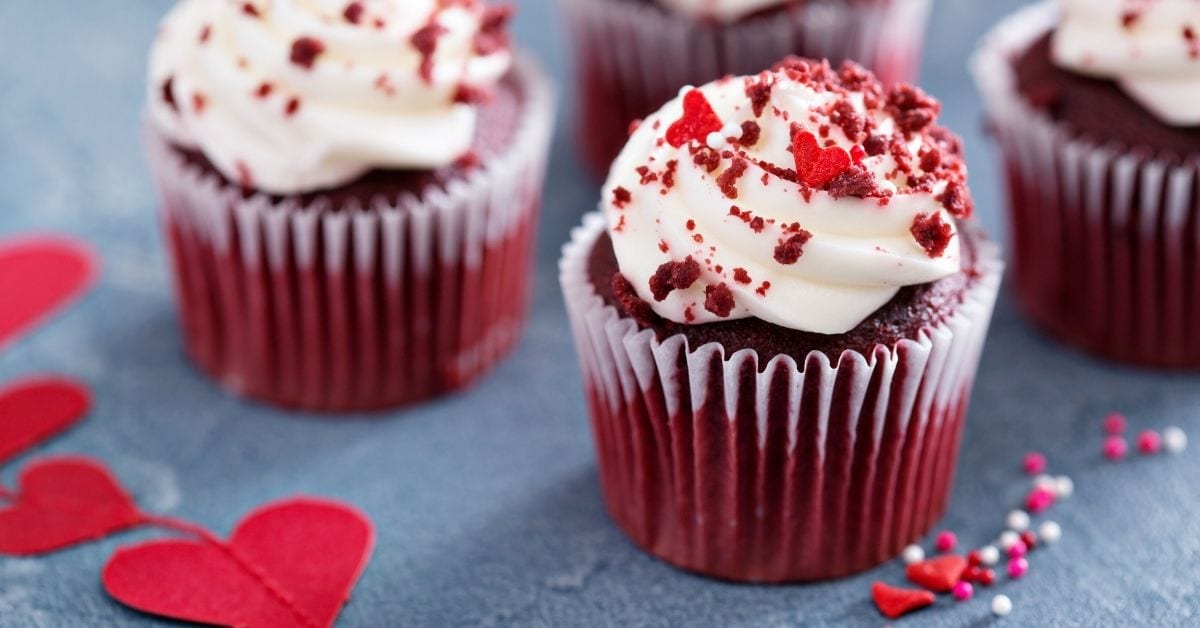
(487, 504)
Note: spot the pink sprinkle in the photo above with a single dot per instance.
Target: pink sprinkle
(1149, 442)
(1114, 424)
(1039, 500)
(1034, 463)
(1018, 550)
(946, 540)
(1115, 448)
(963, 591)
(1017, 568)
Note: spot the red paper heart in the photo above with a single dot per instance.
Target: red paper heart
(894, 602)
(938, 574)
(61, 502)
(817, 166)
(36, 409)
(292, 563)
(697, 122)
(38, 276)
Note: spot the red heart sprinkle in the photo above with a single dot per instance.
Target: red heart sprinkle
(291, 563)
(38, 276)
(62, 502)
(817, 166)
(938, 574)
(894, 602)
(697, 122)
(36, 409)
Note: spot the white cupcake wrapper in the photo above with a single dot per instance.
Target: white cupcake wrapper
(358, 307)
(1105, 243)
(778, 473)
(634, 56)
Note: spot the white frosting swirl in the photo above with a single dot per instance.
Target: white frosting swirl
(860, 250)
(721, 10)
(291, 96)
(1149, 47)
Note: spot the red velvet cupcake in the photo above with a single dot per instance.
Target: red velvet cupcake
(634, 55)
(349, 197)
(1094, 107)
(779, 314)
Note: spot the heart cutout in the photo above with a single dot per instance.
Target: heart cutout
(938, 574)
(291, 563)
(895, 602)
(697, 122)
(38, 276)
(62, 502)
(36, 409)
(817, 166)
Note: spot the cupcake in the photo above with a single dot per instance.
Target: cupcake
(634, 55)
(1094, 108)
(779, 311)
(349, 193)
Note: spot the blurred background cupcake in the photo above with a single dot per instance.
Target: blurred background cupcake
(349, 192)
(1095, 105)
(779, 314)
(634, 55)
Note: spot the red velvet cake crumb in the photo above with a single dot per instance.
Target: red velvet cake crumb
(913, 109)
(168, 93)
(697, 122)
(264, 90)
(425, 41)
(493, 34)
(205, 33)
(248, 8)
(957, 200)
(305, 51)
(293, 106)
(932, 233)
(718, 299)
(674, 276)
(789, 251)
(728, 179)
(740, 275)
(857, 181)
(621, 197)
(750, 133)
(630, 302)
(353, 12)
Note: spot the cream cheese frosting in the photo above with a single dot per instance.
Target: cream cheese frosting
(1149, 47)
(801, 196)
(292, 96)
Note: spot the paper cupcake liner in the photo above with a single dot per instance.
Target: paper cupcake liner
(357, 308)
(1105, 243)
(632, 56)
(773, 471)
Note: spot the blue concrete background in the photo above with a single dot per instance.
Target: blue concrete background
(487, 504)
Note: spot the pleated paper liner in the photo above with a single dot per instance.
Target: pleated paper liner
(631, 56)
(778, 471)
(358, 308)
(1105, 239)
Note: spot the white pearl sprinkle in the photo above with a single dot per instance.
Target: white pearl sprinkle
(1044, 481)
(685, 89)
(1001, 605)
(731, 130)
(1017, 520)
(1008, 539)
(1064, 486)
(913, 554)
(989, 555)
(1049, 532)
(1174, 440)
(715, 140)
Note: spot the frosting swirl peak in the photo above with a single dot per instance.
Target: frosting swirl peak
(292, 96)
(803, 196)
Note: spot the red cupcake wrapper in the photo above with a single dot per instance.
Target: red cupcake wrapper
(1104, 239)
(364, 307)
(632, 56)
(773, 474)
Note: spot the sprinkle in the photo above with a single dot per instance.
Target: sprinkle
(1115, 448)
(697, 121)
(1114, 424)
(1018, 550)
(1149, 442)
(1064, 486)
(1040, 499)
(1017, 520)
(1001, 606)
(1044, 480)
(715, 140)
(1008, 538)
(1030, 539)
(1017, 568)
(913, 554)
(946, 540)
(972, 573)
(732, 129)
(895, 602)
(963, 591)
(1049, 532)
(987, 577)
(989, 555)
(683, 91)
(1034, 463)
(973, 558)
(1174, 440)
